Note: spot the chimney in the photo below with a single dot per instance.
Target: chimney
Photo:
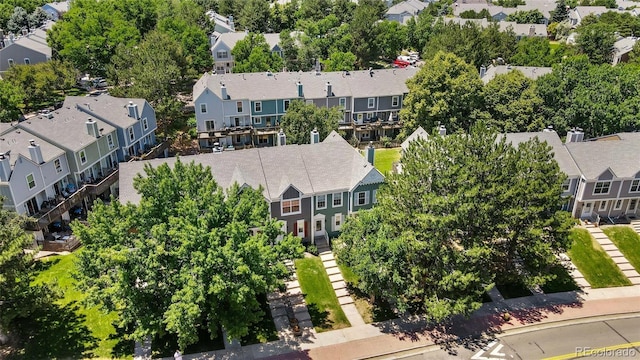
(532, 30)
(231, 23)
(35, 152)
(300, 92)
(370, 152)
(133, 110)
(329, 90)
(282, 138)
(92, 128)
(442, 130)
(223, 92)
(315, 136)
(483, 71)
(574, 135)
(5, 167)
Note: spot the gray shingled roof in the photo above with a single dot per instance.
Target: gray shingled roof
(106, 106)
(419, 133)
(561, 153)
(261, 86)
(408, 6)
(17, 142)
(36, 40)
(331, 165)
(67, 128)
(531, 72)
(595, 157)
(231, 38)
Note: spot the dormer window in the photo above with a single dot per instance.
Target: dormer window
(290, 207)
(635, 186)
(602, 188)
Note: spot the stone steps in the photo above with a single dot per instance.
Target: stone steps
(612, 251)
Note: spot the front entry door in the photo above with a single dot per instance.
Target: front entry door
(587, 209)
(300, 229)
(318, 225)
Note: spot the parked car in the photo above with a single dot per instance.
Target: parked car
(100, 82)
(397, 63)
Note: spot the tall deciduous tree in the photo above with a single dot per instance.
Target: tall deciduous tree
(339, 61)
(467, 210)
(253, 54)
(11, 100)
(445, 91)
(302, 118)
(254, 16)
(596, 41)
(532, 51)
(391, 38)
(363, 28)
(184, 258)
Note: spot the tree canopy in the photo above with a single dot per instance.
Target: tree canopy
(477, 212)
(596, 41)
(253, 54)
(186, 257)
(302, 118)
(11, 100)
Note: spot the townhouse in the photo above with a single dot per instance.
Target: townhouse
(310, 188)
(519, 30)
(403, 11)
(28, 47)
(56, 9)
(244, 110)
(134, 120)
(488, 73)
(223, 43)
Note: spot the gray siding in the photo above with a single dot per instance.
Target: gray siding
(291, 193)
(18, 181)
(589, 195)
(361, 105)
(367, 189)
(291, 220)
(18, 53)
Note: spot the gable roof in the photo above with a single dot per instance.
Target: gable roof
(419, 133)
(329, 166)
(107, 107)
(66, 127)
(36, 40)
(531, 72)
(283, 85)
(412, 7)
(231, 38)
(560, 151)
(616, 153)
(17, 142)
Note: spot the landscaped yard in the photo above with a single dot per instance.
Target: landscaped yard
(370, 312)
(384, 159)
(627, 241)
(592, 261)
(69, 329)
(326, 313)
(563, 281)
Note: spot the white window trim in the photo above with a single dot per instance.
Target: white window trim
(80, 155)
(336, 196)
(325, 202)
(395, 101)
(10, 62)
(257, 120)
(57, 164)
(603, 182)
(342, 102)
(637, 186)
(145, 124)
(566, 185)
(374, 196)
(366, 198)
(291, 213)
(201, 108)
(618, 205)
(256, 105)
(132, 134)
(35, 185)
(601, 207)
(285, 104)
(225, 52)
(110, 141)
(635, 205)
(27, 61)
(371, 103)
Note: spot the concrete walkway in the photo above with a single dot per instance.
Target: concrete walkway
(339, 285)
(610, 248)
(574, 272)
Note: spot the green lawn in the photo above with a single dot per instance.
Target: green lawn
(380, 311)
(563, 281)
(70, 329)
(627, 241)
(592, 261)
(384, 159)
(326, 313)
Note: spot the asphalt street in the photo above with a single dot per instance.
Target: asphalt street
(610, 339)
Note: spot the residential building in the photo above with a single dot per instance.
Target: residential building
(403, 11)
(242, 110)
(310, 188)
(621, 49)
(225, 42)
(520, 30)
(56, 9)
(500, 13)
(134, 120)
(222, 24)
(25, 48)
(580, 12)
(488, 73)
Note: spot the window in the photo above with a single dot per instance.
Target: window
(337, 199)
(321, 201)
(602, 187)
(257, 106)
(374, 197)
(131, 134)
(27, 61)
(290, 206)
(83, 157)
(632, 205)
(145, 124)
(31, 181)
(603, 205)
(362, 198)
(565, 186)
(371, 103)
(635, 186)
(343, 103)
(57, 165)
(10, 61)
(257, 120)
(395, 101)
(337, 222)
(618, 205)
(370, 115)
(239, 106)
(222, 54)
(203, 108)
(286, 105)
(220, 69)
(110, 141)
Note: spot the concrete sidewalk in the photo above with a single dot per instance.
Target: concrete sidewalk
(405, 334)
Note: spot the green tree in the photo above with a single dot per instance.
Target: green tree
(302, 118)
(184, 258)
(254, 16)
(472, 14)
(596, 41)
(11, 100)
(510, 3)
(252, 54)
(391, 38)
(343, 9)
(339, 61)
(561, 12)
(526, 17)
(513, 103)
(363, 29)
(445, 91)
(18, 297)
(478, 211)
(19, 20)
(532, 51)
(313, 9)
